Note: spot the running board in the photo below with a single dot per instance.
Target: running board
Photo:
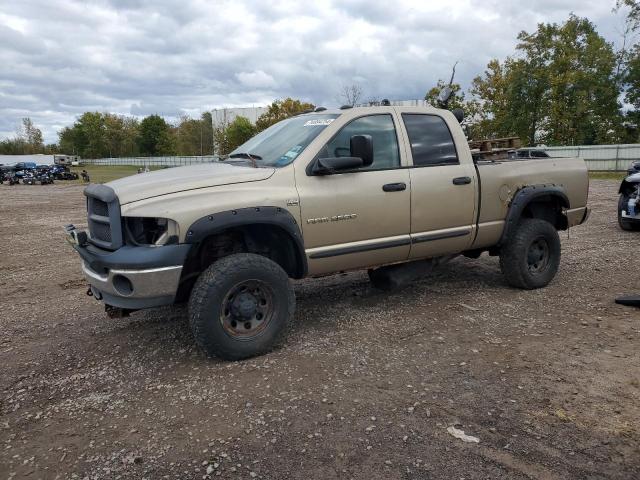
(629, 300)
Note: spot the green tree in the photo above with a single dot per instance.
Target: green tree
(113, 134)
(131, 130)
(92, 126)
(239, 131)
(69, 141)
(28, 140)
(96, 135)
(560, 90)
(86, 137)
(633, 14)
(12, 146)
(155, 137)
(231, 135)
(632, 79)
(188, 136)
(206, 141)
(31, 137)
(167, 143)
(279, 110)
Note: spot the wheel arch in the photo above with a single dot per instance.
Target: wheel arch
(546, 202)
(269, 231)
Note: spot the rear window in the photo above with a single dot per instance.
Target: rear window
(431, 140)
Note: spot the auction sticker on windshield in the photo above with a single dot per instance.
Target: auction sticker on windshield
(319, 122)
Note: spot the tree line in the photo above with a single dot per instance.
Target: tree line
(100, 134)
(563, 85)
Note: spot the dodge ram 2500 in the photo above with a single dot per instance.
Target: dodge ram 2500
(316, 194)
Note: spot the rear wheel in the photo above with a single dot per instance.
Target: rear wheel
(531, 257)
(240, 306)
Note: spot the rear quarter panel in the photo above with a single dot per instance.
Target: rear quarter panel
(500, 181)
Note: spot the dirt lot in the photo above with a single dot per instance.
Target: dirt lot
(364, 387)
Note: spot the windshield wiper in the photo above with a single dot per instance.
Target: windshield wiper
(247, 155)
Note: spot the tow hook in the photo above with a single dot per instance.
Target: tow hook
(89, 292)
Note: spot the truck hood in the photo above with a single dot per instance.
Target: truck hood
(172, 180)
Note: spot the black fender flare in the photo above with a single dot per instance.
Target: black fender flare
(277, 216)
(524, 197)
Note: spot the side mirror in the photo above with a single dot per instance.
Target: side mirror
(327, 166)
(361, 146)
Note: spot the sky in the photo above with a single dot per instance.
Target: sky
(60, 58)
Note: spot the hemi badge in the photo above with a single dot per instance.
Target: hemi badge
(292, 203)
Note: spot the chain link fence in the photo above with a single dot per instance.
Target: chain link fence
(613, 158)
(597, 157)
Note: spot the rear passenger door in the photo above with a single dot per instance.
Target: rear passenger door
(443, 188)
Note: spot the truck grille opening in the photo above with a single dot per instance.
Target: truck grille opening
(105, 229)
(99, 207)
(100, 231)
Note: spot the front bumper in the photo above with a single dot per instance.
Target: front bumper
(132, 277)
(135, 289)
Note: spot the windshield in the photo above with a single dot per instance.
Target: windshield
(281, 143)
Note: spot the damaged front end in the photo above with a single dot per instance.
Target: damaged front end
(629, 203)
(130, 263)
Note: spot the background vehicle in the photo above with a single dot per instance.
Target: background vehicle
(389, 189)
(629, 201)
(634, 167)
(62, 172)
(35, 176)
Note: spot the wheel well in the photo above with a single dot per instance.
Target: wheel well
(268, 240)
(548, 208)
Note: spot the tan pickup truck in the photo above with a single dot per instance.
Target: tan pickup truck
(320, 193)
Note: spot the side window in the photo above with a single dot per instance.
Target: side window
(383, 134)
(431, 140)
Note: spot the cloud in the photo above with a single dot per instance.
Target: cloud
(257, 80)
(60, 58)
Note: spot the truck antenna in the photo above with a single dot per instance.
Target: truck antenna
(453, 73)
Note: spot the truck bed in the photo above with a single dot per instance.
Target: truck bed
(500, 180)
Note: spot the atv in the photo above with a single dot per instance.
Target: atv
(45, 179)
(9, 177)
(29, 179)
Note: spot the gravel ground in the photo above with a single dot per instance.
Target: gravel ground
(365, 385)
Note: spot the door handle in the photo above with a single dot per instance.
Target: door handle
(394, 187)
(462, 181)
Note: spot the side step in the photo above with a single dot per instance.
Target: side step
(629, 300)
(393, 277)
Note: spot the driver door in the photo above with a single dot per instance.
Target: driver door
(357, 218)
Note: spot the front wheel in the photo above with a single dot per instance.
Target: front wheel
(531, 257)
(240, 306)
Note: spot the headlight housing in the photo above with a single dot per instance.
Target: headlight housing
(150, 231)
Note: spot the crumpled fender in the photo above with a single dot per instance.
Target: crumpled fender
(629, 182)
